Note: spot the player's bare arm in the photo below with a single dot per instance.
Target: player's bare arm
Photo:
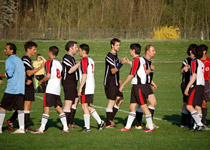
(154, 86)
(125, 82)
(83, 80)
(114, 70)
(32, 72)
(185, 69)
(192, 80)
(3, 75)
(74, 68)
(47, 77)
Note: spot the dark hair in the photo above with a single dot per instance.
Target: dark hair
(204, 47)
(113, 41)
(12, 47)
(38, 55)
(85, 47)
(69, 45)
(54, 50)
(147, 47)
(191, 48)
(29, 45)
(136, 47)
(198, 52)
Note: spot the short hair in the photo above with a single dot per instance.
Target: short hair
(38, 55)
(136, 47)
(113, 41)
(199, 52)
(69, 45)
(85, 47)
(147, 47)
(12, 47)
(54, 50)
(29, 45)
(191, 48)
(204, 47)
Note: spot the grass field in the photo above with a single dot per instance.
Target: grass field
(169, 57)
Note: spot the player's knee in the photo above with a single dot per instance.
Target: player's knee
(204, 104)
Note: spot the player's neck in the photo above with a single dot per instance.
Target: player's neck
(148, 57)
(27, 53)
(113, 51)
(70, 53)
(204, 57)
(135, 55)
(53, 57)
(85, 55)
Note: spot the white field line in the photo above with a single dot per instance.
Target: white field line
(127, 112)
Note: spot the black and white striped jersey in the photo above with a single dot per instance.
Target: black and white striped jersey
(111, 61)
(198, 68)
(68, 62)
(187, 75)
(28, 66)
(148, 64)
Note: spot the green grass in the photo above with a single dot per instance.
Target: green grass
(168, 95)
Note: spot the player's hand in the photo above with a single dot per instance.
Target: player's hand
(43, 59)
(121, 88)
(120, 82)
(152, 67)
(39, 83)
(127, 60)
(28, 82)
(154, 86)
(122, 60)
(80, 92)
(186, 67)
(186, 92)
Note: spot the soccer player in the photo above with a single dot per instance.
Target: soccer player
(195, 89)
(53, 89)
(87, 87)
(70, 76)
(206, 61)
(30, 48)
(112, 82)
(140, 89)
(186, 75)
(14, 94)
(149, 54)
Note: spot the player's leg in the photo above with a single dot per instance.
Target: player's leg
(73, 112)
(86, 117)
(11, 120)
(139, 117)
(67, 110)
(21, 120)
(109, 111)
(27, 108)
(148, 117)
(204, 112)
(116, 107)
(62, 117)
(95, 115)
(152, 103)
(2, 116)
(45, 117)
(194, 114)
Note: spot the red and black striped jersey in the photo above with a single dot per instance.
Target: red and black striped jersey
(87, 66)
(198, 68)
(206, 63)
(28, 66)
(111, 61)
(67, 63)
(138, 69)
(148, 64)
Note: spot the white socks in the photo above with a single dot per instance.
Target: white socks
(63, 121)
(2, 116)
(43, 122)
(131, 117)
(21, 118)
(87, 120)
(149, 121)
(96, 116)
(197, 118)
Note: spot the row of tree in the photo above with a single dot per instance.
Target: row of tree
(61, 19)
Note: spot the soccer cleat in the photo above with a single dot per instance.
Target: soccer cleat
(18, 131)
(10, 125)
(200, 128)
(28, 129)
(65, 131)
(149, 130)
(113, 123)
(138, 127)
(84, 129)
(37, 131)
(153, 126)
(100, 126)
(124, 129)
(109, 126)
(70, 126)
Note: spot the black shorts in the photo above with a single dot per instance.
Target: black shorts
(52, 100)
(29, 93)
(112, 92)
(140, 93)
(196, 95)
(87, 98)
(70, 90)
(12, 101)
(183, 87)
(206, 91)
